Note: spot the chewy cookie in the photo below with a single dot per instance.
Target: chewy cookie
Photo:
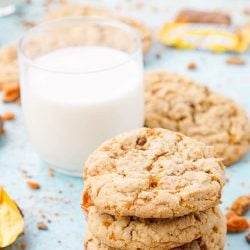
(136, 233)
(83, 10)
(177, 103)
(214, 240)
(152, 173)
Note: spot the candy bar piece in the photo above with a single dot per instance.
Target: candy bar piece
(194, 16)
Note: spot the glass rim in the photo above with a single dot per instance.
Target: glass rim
(98, 20)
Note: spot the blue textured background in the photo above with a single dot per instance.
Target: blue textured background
(59, 198)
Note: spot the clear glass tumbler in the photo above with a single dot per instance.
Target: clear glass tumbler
(81, 83)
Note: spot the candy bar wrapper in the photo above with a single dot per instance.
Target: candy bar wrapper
(216, 38)
(11, 220)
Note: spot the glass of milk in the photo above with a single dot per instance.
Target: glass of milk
(81, 83)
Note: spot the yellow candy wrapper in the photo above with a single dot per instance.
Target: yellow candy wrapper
(216, 38)
(11, 220)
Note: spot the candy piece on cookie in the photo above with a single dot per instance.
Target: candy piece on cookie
(152, 173)
(180, 104)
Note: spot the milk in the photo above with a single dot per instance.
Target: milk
(68, 115)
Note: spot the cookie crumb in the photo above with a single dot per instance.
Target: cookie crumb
(33, 185)
(8, 116)
(23, 246)
(192, 66)
(51, 172)
(235, 61)
(158, 56)
(241, 205)
(42, 226)
(248, 238)
(29, 24)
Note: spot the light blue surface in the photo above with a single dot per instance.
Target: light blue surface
(60, 197)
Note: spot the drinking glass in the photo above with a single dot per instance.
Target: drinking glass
(81, 83)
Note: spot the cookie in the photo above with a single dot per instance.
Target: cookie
(177, 103)
(91, 243)
(135, 233)
(83, 10)
(152, 173)
(214, 239)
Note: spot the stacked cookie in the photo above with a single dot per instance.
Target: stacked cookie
(153, 189)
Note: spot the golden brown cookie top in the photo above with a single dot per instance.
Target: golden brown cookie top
(152, 173)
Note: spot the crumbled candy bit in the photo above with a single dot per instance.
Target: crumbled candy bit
(11, 220)
(106, 223)
(42, 226)
(237, 224)
(141, 141)
(192, 66)
(235, 61)
(11, 93)
(241, 205)
(248, 238)
(86, 200)
(8, 116)
(23, 246)
(158, 56)
(33, 185)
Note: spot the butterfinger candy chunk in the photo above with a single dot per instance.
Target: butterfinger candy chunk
(237, 224)
(33, 185)
(8, 116)
(235, 60)
(241, 205)
(194, 16)
(11, 93)
(42, 226)
(192, 66)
